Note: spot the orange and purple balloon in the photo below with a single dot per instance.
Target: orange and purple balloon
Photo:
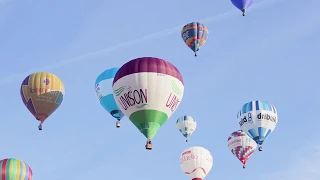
(194, 35)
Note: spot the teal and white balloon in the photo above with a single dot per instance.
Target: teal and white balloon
(186, 125)
(258, 119)
(104, 92)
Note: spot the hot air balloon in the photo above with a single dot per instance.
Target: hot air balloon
(242, 146)
(14, 169)
(194, 35)
(258, 119)
(242, 5)
(42, 93)
(186, 125)
(104, 92)
(196, 162)
(148, 90)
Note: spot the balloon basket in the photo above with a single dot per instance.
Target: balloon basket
(148, 146)
(118, 125)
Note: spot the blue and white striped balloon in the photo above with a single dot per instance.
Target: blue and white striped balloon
(258, 119)
(186, 125)
(103, 86)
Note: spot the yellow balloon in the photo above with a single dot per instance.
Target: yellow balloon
(42, 93)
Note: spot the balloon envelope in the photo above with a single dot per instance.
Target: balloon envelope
(42, 93)
(186, 125)
(258, 119)
(196, 162)
(242, 5)
(103, 86)
(194, 35)
(241, 145)
(148, 90)
(15, 169)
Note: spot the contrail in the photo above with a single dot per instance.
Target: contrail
(163, 33)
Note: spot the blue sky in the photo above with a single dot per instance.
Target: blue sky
(271, 54)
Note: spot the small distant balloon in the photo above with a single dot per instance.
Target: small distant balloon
(14, 169)
(242, 5)
(258, 119)
(196, 162)
(186, 125)
(42, 93)
(104, 92)
(242, 146)
(194, 35)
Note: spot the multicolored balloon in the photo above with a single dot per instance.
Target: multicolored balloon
(242, 5)
(186, 125)
(258, 119)
(242, 146)
(104, 92)
(148, 90)
(15, 169)
(196, 162)
(194, 35)
(42, 93)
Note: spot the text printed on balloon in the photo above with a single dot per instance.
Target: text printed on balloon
(132, 98)
(188, 155)
(172, 102)
(235, 141)
(185, 35)
(44, 90)
(188, 158)
(260, 116)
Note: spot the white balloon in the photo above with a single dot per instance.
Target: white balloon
(186, 125)
(258, 119)
(148, 91)
(196, 162)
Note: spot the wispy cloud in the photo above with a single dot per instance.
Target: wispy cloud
(304, 165)
(157, 35)
(3, 1)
